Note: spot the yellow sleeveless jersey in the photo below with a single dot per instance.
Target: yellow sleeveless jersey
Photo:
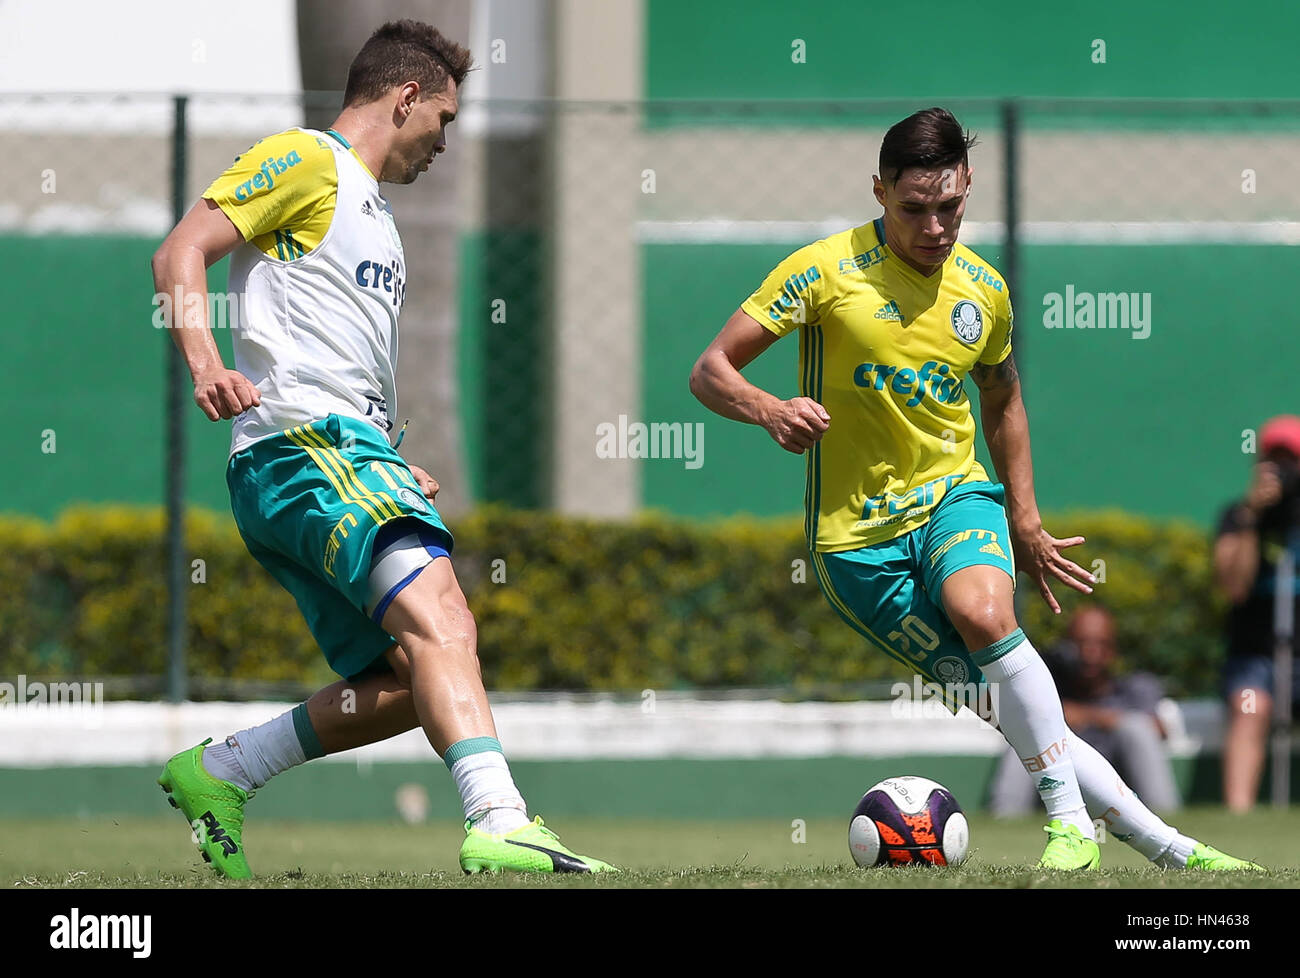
(885, 350)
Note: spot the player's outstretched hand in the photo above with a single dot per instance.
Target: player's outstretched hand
(797, 424)
(428, 484)
(1038, 554)
(223, 393)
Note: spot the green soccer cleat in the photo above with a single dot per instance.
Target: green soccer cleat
(1208, 857)
(531, 849)
(214, 809)
(1068, 849)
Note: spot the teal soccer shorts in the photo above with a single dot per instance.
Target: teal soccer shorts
(309, 503)
(890, 592)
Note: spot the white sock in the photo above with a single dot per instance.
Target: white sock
(487, 791)
(1126, 818)
(252, 757)
(1179, 851)
(220, 761)
(1030, 716)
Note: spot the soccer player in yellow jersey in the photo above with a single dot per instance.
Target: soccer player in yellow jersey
(912, 543)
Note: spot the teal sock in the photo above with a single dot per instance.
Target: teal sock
(307, 738)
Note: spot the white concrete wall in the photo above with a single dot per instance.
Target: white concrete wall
(554, 728)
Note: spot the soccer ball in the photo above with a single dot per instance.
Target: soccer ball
(908, 820)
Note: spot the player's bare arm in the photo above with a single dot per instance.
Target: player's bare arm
(203, 237)
(1006, 431)
(716, 381)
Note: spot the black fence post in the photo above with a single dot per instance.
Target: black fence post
(1011, 245)
(177, 375)
(1011, 215)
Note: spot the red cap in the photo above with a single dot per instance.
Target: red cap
(1281, 432)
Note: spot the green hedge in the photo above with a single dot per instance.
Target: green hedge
(650, 603)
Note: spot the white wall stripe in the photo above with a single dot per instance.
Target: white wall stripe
(725, 231)
(559, 727)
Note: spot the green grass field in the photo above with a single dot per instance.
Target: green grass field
(156, 852)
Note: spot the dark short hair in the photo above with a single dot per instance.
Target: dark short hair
(402, 51)
(930, 138)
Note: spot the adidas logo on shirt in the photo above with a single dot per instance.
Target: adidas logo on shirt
(890, 311)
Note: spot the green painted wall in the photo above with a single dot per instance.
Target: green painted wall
(1115, 421)
(1154, 426)
(503, 368)
(741, 49)
(743, 470)
(82, 357)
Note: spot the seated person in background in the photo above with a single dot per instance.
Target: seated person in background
(1115, 714)
(1252, 532)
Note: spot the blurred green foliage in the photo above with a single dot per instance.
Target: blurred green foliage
(563, 603)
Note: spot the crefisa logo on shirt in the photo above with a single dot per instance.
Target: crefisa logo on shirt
(967, 321)
(264, 178)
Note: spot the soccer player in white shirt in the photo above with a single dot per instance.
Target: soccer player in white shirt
(319, 495)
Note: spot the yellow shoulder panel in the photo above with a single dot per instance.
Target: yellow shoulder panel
(792, 293)
(280, 193)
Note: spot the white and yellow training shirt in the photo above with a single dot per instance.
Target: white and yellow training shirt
(320, 280)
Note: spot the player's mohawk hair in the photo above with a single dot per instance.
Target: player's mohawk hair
(929, 138)
(402, 51)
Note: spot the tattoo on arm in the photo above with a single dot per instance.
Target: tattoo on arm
(997, 376)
